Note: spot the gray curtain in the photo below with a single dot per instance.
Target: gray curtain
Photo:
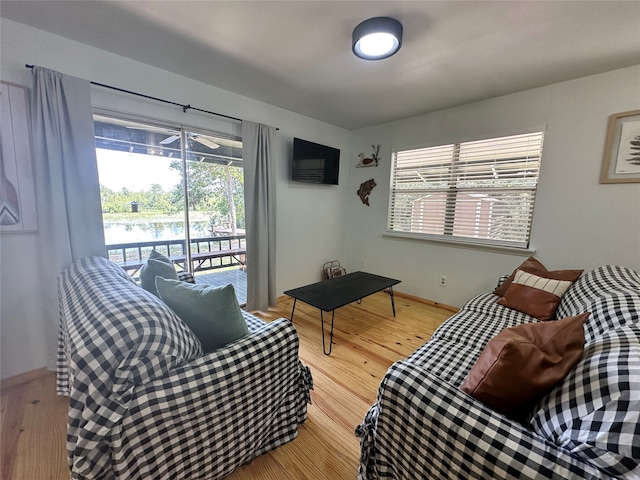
(66, 174)
(258, 144)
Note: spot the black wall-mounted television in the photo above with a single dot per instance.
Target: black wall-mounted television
(315, 163)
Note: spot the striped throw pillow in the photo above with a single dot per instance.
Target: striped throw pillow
(534, 295)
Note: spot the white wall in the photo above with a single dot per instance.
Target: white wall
(578, 223)
(311, 219)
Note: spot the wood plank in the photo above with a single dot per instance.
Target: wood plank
(426, 301)
(263, 467)
(366, 335)
(334, 453)
(43, 429)
(13, 405)
(26, 377)
(340, 404)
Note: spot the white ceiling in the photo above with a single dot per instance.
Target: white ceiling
(297, 54)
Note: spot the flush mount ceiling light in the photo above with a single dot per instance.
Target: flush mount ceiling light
(377, 38)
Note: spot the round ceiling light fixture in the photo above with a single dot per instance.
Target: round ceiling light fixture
(377, 38)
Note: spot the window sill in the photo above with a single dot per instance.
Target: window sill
(459, 243)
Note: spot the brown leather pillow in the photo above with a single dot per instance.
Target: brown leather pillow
(534, 295)
(520, 364)
(532, 265)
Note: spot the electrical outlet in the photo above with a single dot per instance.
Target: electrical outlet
(443, 280)
(362, 264)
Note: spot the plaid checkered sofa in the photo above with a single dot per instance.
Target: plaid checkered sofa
(424, 427)
(145, 403)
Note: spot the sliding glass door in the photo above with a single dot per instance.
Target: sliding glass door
(215, 210)
(173, 190)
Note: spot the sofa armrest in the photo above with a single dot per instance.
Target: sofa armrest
(218, 411)
(424, 427)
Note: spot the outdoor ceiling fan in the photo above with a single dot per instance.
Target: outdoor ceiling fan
(200, 139)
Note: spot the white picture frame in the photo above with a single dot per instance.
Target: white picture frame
(18, 213)
(621, 162)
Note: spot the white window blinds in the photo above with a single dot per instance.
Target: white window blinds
(481, 191)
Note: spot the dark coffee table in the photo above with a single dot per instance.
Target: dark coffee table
(338, 292)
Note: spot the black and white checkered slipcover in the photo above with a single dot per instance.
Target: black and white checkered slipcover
(145, 403)
(186, 277)
(423, 426)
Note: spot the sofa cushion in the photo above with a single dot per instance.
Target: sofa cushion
(213, 313)
(534, 295)
(156, 265)
(595, 412)
(533, 265)
(448, 360)
(479, 320)
(522, 363)
(458, 342)
(610, 293)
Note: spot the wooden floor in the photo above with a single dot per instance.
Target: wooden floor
(367, 339)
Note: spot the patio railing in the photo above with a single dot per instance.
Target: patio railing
(206, 253)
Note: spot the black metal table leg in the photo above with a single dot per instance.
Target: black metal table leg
(293, 309)
(393, 305)
(324, 350)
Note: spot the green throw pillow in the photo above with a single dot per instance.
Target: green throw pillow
(213, 313)
(156, 268)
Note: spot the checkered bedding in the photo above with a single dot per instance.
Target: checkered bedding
(423, 426)
(146, 403)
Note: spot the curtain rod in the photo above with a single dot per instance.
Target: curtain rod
(184, 107)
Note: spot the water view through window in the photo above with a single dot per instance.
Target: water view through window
(175, 191)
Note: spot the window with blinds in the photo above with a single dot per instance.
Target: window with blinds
(471, 192)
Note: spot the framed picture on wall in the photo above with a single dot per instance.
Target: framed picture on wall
(621, 163)
(17, 187)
